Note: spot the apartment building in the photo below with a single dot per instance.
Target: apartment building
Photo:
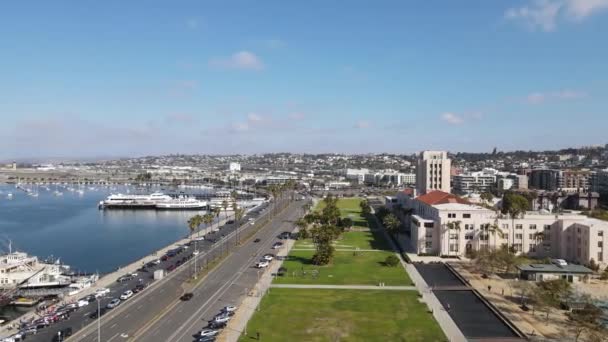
(565, 180)
(433, 171)
(473, 182)
(445, 224)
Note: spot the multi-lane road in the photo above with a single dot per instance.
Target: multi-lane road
(156, 313)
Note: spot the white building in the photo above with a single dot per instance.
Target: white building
(481, 181)
(234, 167)
(433, 172)
(445, 224)
(357, 175)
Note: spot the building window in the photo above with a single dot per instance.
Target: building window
(428, 244)
(451, 215)
(453, 247)
(519, 236)
(532, 247)
(428, 224)
(466, 215)
(547, 227)
(517, 247)
(600, 233)
(453, 236)
(519, 226)
(532, 226)
(531, 236)
(505, 226)
(600, 256)
(600, 244)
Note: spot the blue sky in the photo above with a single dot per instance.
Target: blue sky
(154, 77)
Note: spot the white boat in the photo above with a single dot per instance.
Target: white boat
(21, 270)
(135, 201)
(58, 193)
(9, 195)
(182, 203)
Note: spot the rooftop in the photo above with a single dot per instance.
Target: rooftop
(551, 268)
(440, 197)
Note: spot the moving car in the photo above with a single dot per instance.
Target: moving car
(257, 240)
(268, 257)
(186, 296)
(277, 245)
(229, 308)
(126, 295)
(113, 303)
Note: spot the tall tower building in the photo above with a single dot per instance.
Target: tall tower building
(433, 172)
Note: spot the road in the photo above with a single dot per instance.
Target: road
(143, 306)
(126, 321)
(224, 286)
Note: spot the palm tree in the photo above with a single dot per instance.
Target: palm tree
(225, 206)
(494, 229)
(193, 223)
(391, 222)
(216, 211)
(238, 215)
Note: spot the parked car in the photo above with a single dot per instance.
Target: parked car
(229, 308)
(156, 262)
(186, 296)
(139, 288)
(262, 264)
(82, 303)
(230, 222)
(126, 295)
(208, 332)
(257, 240)
(195, 252)
(170, 268)
(102, 292)
(268, 257)
(221, 319)
(113, 303)
(95, 314)
(124, 278)
(277, 245)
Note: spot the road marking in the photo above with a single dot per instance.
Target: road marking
(113, 325)
(127, 315)
(113, 337)
(140, 306)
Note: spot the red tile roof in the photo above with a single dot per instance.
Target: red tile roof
(440, 197)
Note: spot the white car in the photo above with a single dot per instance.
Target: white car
(229, 308)
(156, 262)
(202, 238)
(82, 303)
(268, 257)
(262, 264)
(126, 295)
(133, 274)
(208, 332)
(195, 253)
(113, 303)
(102, 292)
(221, 319)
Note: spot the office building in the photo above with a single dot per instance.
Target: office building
(433, 172)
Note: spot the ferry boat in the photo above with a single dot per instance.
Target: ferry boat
(182, 203)
(120, 201)
(18, 270)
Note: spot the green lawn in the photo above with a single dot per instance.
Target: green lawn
(366, 268)
(342, 315)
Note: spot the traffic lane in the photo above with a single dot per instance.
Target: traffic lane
(247, 278)
(208, 292)
(134, 322)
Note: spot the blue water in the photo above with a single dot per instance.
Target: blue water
(72, 228)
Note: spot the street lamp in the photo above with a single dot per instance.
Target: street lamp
(98, 320)
(195, 256)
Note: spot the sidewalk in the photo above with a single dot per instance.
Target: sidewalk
(249, 304)
(109, 278)
(345, 287)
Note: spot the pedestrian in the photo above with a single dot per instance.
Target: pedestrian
(448, 307)
(489, 288)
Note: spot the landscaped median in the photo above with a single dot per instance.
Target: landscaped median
(342, 315)
(349, 313)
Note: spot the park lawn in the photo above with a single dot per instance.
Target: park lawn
(353, 240)
(366, 268)
(342, 315)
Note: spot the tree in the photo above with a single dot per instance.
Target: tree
(593, 265)
(487, 197)
(604, 275)
(366, 210)
(324, 254)
(514, 205)
(225, 206)
(549, 294)
(216, 211)
(391, 261)
(391, 222)
(586, 319)
(346, 222)
(193, 223)
(238, 215)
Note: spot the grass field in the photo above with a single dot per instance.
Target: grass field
(366, 268)
(342, 315)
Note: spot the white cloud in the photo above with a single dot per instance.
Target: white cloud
(243, 60)
(253, 117)
(452, 118)
(545, 14)
(539, 97)
(362, 124)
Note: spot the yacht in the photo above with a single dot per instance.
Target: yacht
(182, 203)
(134, 201)
(20, 270)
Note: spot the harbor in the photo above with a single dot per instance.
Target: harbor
(33, 228)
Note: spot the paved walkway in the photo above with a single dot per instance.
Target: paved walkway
(450, 329)
(345, 287)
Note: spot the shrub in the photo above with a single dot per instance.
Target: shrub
(391, 261)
